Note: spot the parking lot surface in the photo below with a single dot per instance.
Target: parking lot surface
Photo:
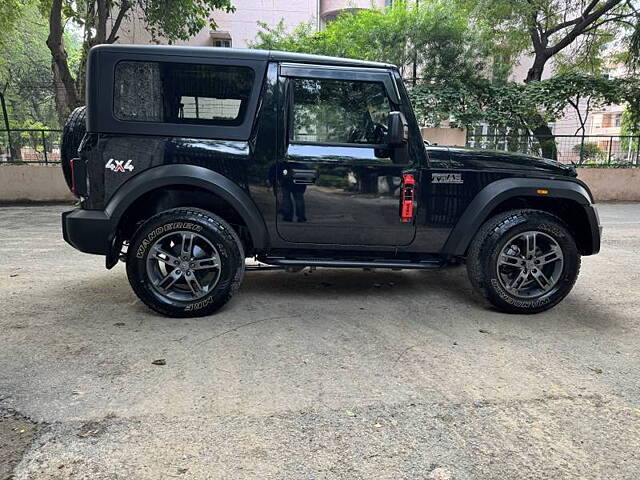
(336, 374)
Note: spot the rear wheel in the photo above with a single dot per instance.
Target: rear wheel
(185, 262)
(523, 261)
(72, 135)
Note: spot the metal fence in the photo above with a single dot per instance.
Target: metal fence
(584, 150)
(22, 145)
(43, 146)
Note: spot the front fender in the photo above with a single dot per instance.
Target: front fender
(195, 176)
(497, 192)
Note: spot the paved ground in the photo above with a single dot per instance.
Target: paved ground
(317, 376)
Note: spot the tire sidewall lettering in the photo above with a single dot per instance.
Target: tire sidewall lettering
(156, 232)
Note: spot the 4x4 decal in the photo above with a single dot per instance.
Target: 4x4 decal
(119, 165)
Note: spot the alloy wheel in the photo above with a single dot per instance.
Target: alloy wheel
(183, 266)
(530, 264)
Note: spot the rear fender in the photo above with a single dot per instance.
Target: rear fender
(190, 175)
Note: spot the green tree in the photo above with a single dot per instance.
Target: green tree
(25, 70)
(101, 21)
(572, 32)
(10, 13)
(436, 36)
(575, 30)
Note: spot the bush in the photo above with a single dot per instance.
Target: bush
(590, 152)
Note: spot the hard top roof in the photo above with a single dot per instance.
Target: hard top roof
(239, 54)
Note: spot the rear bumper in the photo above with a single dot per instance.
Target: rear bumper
(89, 231)
(595, 227)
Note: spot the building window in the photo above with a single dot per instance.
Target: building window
(189, 93)
(221, 38)
(597, 121)
(618, 120)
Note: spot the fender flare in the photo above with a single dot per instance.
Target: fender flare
(195, 176)
(478, 211)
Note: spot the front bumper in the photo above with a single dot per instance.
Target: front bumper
(89, 231)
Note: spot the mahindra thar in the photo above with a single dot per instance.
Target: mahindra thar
(187, 160)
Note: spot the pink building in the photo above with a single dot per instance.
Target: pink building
(240, 28)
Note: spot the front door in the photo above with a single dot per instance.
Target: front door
(338, 182)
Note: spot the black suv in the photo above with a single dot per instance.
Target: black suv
(189, 160)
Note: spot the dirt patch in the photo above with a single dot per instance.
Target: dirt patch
(16, 436)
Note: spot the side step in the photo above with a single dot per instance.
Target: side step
(314, 262)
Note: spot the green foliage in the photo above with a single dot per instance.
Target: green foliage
(467, 103)
(590, 152)
(631, 141)
(630, 92)
(10, 13)
(436, 35)
(554, 26)
(25, 71)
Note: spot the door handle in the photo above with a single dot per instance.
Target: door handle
(304, 176)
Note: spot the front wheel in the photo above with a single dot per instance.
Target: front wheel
(185, 262)
(523, 261)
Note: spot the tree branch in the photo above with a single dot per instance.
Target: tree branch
(125, 6)
(586, 21)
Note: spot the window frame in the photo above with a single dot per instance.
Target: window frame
(100, 95)
(289, 72)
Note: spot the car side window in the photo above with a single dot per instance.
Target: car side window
(181, 93)
(338, 112)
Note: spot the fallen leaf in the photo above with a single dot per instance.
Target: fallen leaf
(596, 369)
(119, 324)
(350, 413)
(160, 361)
(482, 330)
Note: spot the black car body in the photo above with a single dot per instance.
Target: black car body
(288, 150)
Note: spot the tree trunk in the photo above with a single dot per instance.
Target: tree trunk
(535, 72)
(542, 131)
(66, 95)
(547, 142)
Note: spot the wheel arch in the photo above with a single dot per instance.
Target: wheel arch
(172, 186)
(570, 201)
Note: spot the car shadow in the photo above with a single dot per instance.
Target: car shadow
(431, 291)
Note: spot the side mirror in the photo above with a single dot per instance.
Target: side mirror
(397, 129)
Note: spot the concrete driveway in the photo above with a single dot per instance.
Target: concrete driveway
(334, 374)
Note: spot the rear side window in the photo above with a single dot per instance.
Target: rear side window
(183, 93)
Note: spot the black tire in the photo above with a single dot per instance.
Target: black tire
(487, 247)
(72, 135)
(210, 228)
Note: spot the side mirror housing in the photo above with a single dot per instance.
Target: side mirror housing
(397, 129)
